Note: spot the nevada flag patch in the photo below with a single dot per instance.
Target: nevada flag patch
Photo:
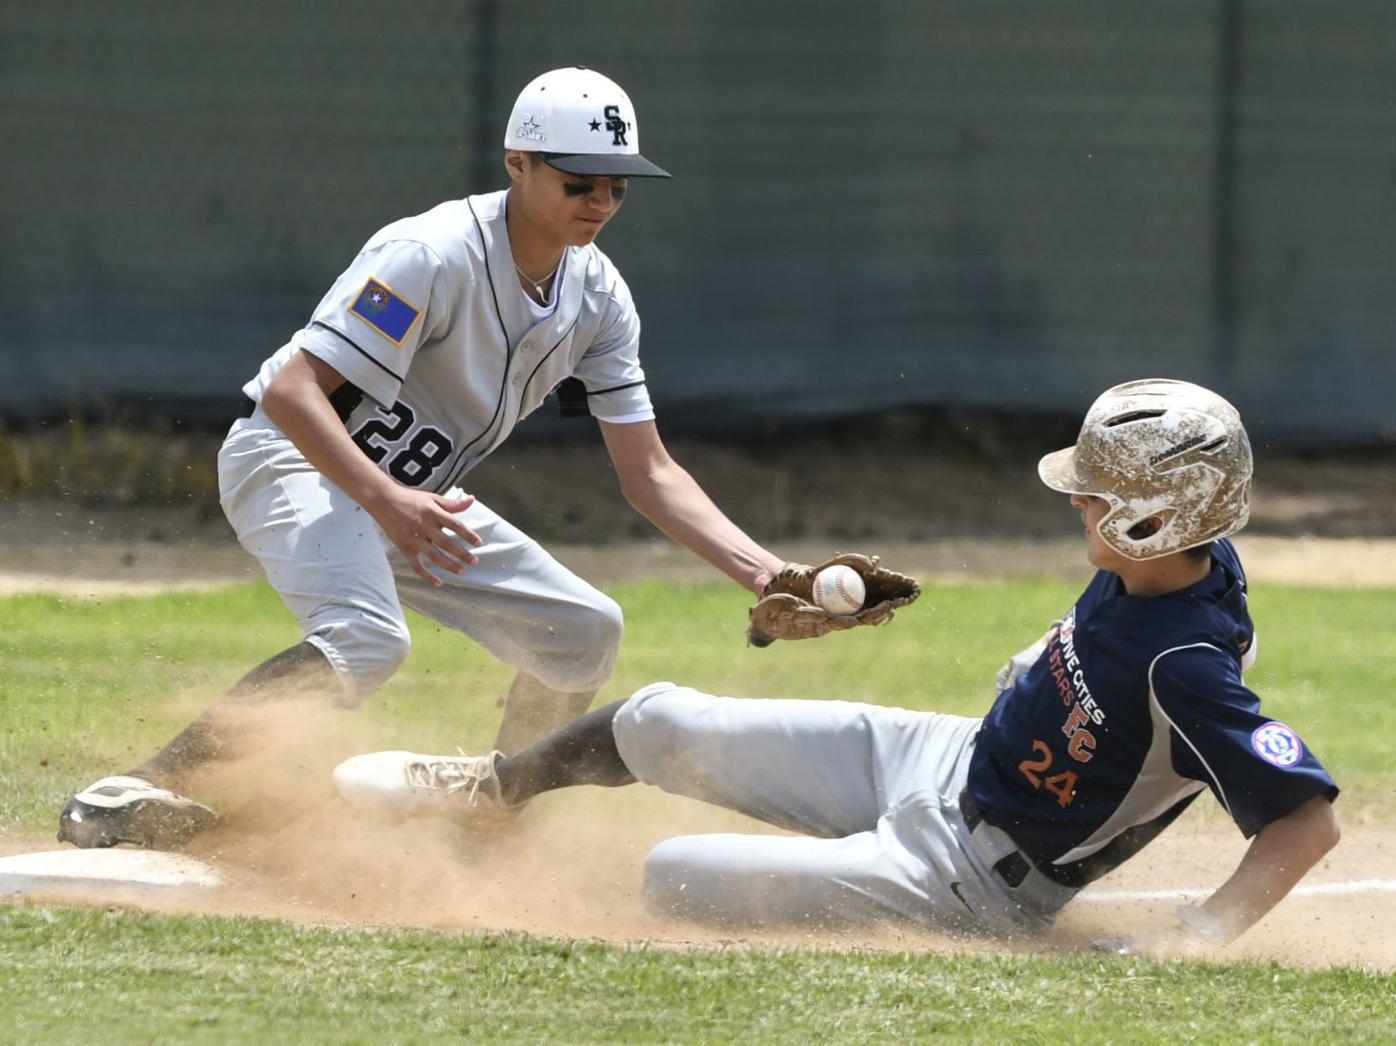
(386, 312)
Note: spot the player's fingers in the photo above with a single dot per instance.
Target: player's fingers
(456, 551)
(1118, 945)
(442, 560)
(440, 550)
(422, 572)
(455, 526)
(454, 505)
(450, 508)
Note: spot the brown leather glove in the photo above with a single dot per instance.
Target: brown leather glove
(787, 609)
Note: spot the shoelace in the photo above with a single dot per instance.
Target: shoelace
(449, 775)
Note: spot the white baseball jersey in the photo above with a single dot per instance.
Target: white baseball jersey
(430, 323)
(431, 327)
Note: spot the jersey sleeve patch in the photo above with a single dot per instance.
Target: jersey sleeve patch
(390, 314)
(1277, 744)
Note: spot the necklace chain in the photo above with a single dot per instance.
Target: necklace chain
(537, 285)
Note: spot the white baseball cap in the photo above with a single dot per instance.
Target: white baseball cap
(580, 122)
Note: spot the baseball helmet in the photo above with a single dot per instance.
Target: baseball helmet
(580, 122)
(1159, 448)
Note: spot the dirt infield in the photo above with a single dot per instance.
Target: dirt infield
(946, 495)
(316, 865)
(140, 565)
(581, 855)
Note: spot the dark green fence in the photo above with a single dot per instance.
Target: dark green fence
(990, 203)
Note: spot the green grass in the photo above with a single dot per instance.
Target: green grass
(90, 976)
(88, 687)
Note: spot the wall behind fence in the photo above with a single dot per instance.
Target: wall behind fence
(1000, 203)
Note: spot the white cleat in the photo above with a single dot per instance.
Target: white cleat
(461, 788)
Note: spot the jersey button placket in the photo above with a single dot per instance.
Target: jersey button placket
(518, 380)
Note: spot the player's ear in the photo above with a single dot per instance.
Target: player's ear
(515, 162)
(1146, 528)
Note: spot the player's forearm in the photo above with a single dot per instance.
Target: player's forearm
(1279, 856)
(673, 501)
(302, 410)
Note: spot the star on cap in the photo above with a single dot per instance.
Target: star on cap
(596, 125)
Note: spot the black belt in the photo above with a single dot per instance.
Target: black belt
(1014, 868)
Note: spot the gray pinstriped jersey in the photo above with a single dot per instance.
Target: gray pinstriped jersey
(430, 323)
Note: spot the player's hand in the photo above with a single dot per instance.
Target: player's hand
(424, 526)
(1193, 932)
(1023, 660)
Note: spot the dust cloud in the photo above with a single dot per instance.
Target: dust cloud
(570, 865)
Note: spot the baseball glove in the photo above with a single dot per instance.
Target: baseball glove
(787, 609)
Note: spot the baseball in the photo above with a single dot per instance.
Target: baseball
(839, 590)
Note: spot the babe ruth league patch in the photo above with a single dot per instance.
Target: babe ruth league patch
(1277, 744)
(386, 312)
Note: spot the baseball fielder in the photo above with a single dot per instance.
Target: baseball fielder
(1101, 734)
(345, 476)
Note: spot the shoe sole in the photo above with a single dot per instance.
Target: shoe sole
(147, 823)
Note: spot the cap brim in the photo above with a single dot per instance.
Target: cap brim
(605, 165)
(1058, 471)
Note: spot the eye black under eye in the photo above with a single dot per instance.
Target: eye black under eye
(572, 189)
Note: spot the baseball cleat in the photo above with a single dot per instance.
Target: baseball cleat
(131, 810)
(461, 788)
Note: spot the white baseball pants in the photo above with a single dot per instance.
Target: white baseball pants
(873, 790)
(346, 583)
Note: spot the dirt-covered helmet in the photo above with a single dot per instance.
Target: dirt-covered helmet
(1159, 448)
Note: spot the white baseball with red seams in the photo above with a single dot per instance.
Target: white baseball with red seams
(839, 590)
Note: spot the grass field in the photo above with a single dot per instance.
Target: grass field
(89, 687)
(89, 976)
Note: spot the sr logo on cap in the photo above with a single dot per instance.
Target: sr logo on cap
(1277, 744)
(580, 122)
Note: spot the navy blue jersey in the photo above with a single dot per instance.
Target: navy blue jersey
(1135, 706)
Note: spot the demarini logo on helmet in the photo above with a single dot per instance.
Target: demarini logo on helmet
(1177, 449)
